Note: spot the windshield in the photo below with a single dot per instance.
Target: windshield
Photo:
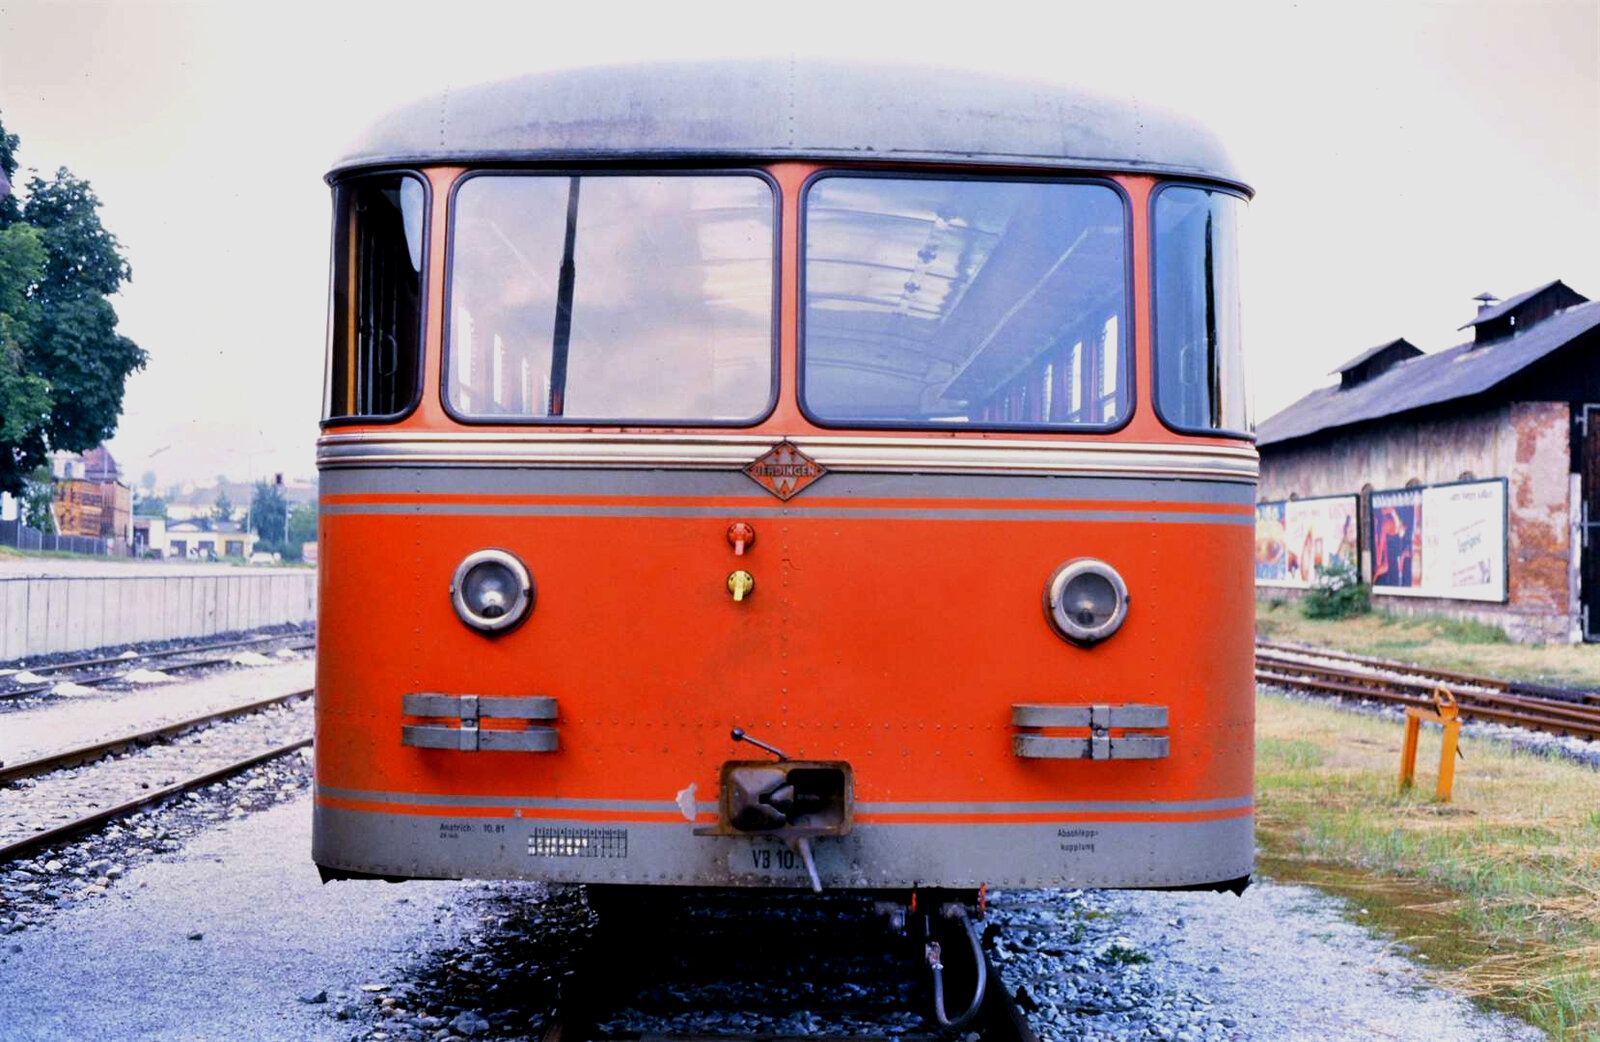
(944, 302)
(607, 298)
(1200, 377)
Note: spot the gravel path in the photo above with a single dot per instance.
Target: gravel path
(1281, 963)
(230, 937)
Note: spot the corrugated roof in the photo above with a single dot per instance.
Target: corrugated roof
(1490, 314)
(1371, 352)
(792, 109)
(1459, 372)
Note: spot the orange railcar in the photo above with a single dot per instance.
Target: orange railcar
(889, 420)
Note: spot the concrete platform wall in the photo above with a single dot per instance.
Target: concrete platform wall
(43, 615)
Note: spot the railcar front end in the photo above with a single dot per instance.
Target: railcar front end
(784, 520)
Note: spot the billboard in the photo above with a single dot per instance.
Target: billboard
(1294, 537)
(1441, 541)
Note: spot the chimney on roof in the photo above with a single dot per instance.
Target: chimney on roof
(1521, 312)
(1486, 300)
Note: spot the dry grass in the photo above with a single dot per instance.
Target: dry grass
(1432, 641)
(1502, 886)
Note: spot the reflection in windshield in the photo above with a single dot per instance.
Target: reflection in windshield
(934, 302)
(670, 284)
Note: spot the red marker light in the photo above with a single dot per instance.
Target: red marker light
(740, 535)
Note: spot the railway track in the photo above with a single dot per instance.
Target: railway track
(43, 767)
(62, 671)
(1574, 713)
(771, 969)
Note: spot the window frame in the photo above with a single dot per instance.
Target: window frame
(1155, 313)
(422, 297)
(774, 355)
(1128, 343)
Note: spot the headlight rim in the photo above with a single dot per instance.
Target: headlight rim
(520, 608)
(1070, 629)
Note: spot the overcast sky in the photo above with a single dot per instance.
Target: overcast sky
(1406, 155)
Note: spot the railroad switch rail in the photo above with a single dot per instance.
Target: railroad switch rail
(88, 753)
(1557, 711)
(177, 667)
(27, 845)
(95, 750)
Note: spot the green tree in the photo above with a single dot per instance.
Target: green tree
(269, 513)
(34, 501)
(63, 365)
(302, 530)
(24, 396)
(10, 208)
(150, 506)
(223, 511)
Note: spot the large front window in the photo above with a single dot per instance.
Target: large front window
(1200, 378)
(611, 298)
(968, 302)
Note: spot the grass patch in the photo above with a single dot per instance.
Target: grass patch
(1500, 888)
(1465, 645)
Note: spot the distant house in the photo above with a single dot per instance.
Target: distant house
(89, 497)
(192, 539)
(195, 501)
(150, 537)
(1467, 477)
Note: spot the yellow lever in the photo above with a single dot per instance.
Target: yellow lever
(740, 583)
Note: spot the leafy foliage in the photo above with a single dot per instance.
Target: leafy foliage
(37, 492)
(63, 365)
(1336, 593)
(223, 511)
(302, 530)
(269, 513)
(150, 506)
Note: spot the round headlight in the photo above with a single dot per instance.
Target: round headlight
(492, 591)
(1086, 600)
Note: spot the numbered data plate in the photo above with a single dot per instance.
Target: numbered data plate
(766, 857)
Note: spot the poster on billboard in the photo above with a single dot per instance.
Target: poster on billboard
(1441, 541)
(1296, 537)
(1271, 553)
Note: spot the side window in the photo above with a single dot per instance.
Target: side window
(1200, 378)
(375, 318)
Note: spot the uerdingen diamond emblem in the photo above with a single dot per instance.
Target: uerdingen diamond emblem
(785, 471)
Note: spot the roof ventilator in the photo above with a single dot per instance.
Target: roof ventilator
(470, 709)
(1099, 721)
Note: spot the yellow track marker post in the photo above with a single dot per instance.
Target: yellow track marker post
(1447, 715)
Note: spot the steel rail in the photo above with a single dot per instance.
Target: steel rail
(95, 750)
(107, 678)
(1469, 711)
(1575, 712)
(67, 667)
(999, 1019)
(20, 848)
(1521, 687)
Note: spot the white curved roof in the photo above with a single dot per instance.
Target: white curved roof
(799, 110)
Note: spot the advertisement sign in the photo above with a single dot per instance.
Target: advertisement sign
(1441, 541)
(1296, 537)
(1271, 553)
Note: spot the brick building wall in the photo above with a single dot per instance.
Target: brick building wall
(1528, 443)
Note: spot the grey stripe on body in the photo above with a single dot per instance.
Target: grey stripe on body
(790, 511)
(511, 481)
(702, 807)
(1151, 853)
